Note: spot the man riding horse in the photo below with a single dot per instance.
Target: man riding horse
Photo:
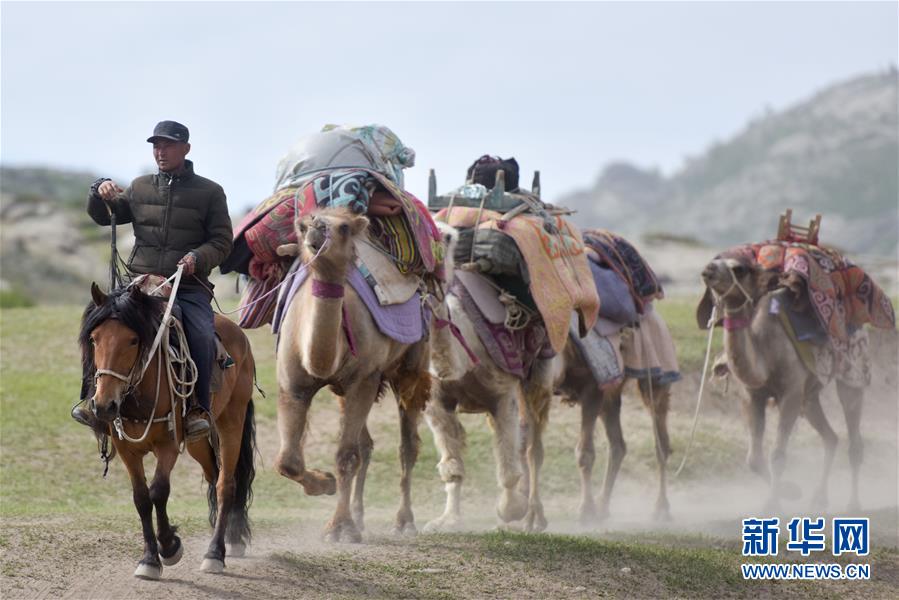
(179, 218)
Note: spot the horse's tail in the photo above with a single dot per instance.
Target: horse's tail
(239, 519)
(244, 474)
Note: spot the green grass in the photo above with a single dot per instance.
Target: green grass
(50, 484)
(689, 340)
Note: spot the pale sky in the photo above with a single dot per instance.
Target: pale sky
(563, 87)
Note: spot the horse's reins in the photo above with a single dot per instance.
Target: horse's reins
(135, 376)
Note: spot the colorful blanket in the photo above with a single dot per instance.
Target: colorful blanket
(560, 279)
(852, 367)
(844, 297)
(411, 237)
(618, 254)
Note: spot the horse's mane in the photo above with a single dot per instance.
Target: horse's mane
(137, 311)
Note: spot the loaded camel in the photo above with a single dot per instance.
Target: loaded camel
(328, 338)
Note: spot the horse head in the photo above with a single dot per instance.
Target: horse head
(117, 330)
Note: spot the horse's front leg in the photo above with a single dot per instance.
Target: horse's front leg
(149, 566)
(171, 549)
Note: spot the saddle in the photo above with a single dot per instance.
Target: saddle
(157, 285)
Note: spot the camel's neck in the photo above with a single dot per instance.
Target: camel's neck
(746, 360)
(322, 340)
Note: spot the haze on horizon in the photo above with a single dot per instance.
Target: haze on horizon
(565, 88)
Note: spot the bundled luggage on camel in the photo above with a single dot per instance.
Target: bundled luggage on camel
(520, 265)
(359, 168)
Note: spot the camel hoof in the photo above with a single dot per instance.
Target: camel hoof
(212, 565)
(318, 483)
(149, 572)
(444, 524)
(237, 550)
(534, 521)
(175, 557)
(662, 515)
(405, 529)
(342, 532)
(512, 506)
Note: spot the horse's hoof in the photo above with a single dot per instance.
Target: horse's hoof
(212, 565)
(175, 557)
(236, 550)
(148, 571)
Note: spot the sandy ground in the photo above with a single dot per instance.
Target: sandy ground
(90, 558)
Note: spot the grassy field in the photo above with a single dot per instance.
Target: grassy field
(60, 518)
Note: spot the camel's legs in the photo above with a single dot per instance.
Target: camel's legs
(511, 505)
(586, 454)
(410, 444)
(818, 421)
(754, 408)
(657, 398)
(610, 413)
(293, 408)
(449, 437)
(355, 407)
(537, 400)
(852, 399)
(366, 446)
(790, 404)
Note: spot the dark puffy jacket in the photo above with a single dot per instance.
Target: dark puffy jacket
(172, 215)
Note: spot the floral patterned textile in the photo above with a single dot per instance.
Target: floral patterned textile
(843, 295)
(271, 224)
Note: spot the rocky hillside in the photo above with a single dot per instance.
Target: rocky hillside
(50, 250)
(835, 154)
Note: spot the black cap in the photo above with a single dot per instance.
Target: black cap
(170, 130)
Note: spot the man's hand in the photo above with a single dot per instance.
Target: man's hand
(189, 261)
(108, 190)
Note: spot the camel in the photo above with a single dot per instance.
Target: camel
(461, 385)
(575, 383)
(762, 357)
(328, 338)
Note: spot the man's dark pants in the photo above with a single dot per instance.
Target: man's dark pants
(199, 325)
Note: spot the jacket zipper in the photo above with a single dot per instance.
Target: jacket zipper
(165, 223)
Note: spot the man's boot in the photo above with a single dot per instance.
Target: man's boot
(84, 416)
(197, 424)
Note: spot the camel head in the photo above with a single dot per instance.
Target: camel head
(325, 238)
(449, 236)
(736, 283)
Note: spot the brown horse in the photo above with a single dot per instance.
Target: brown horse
(117, 335)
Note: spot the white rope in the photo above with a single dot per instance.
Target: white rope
(180, 387)
(705, 366)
